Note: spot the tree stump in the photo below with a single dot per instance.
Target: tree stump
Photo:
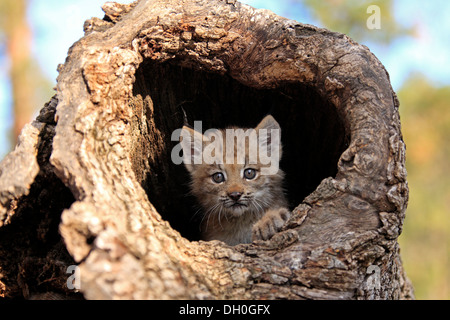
(91, 181)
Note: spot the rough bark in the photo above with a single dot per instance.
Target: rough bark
(105, 136)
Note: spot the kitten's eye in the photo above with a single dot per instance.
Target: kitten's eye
(249, 174)
(218, 177)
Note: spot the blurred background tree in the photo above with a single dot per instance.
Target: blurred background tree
(28, 85)
(424, 102)
(17, 33)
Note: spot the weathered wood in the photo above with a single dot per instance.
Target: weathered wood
(118, 100)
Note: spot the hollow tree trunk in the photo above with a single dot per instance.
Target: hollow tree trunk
(96, 162)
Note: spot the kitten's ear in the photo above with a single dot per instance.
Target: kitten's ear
(192, 145)
(268, 123)
(272, 126)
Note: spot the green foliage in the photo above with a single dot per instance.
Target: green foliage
(350, 17)
(425, 242)
(9, 10)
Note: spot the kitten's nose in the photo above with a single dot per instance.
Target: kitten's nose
(235, 195)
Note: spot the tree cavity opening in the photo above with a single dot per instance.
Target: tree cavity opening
(313, 134)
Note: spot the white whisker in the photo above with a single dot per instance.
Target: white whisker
(209, 212)
(220, 211)
(256, 204)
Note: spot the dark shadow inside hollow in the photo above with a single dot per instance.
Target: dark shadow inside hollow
(32, 252)
(313, 135)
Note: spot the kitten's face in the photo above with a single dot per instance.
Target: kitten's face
(233, 188)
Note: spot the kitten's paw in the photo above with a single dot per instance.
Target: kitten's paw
(270, 223)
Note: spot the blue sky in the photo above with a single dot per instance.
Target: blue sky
(427, 52)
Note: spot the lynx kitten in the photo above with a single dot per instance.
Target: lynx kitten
(240, 202)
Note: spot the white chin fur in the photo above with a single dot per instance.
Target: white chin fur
(236, 211)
